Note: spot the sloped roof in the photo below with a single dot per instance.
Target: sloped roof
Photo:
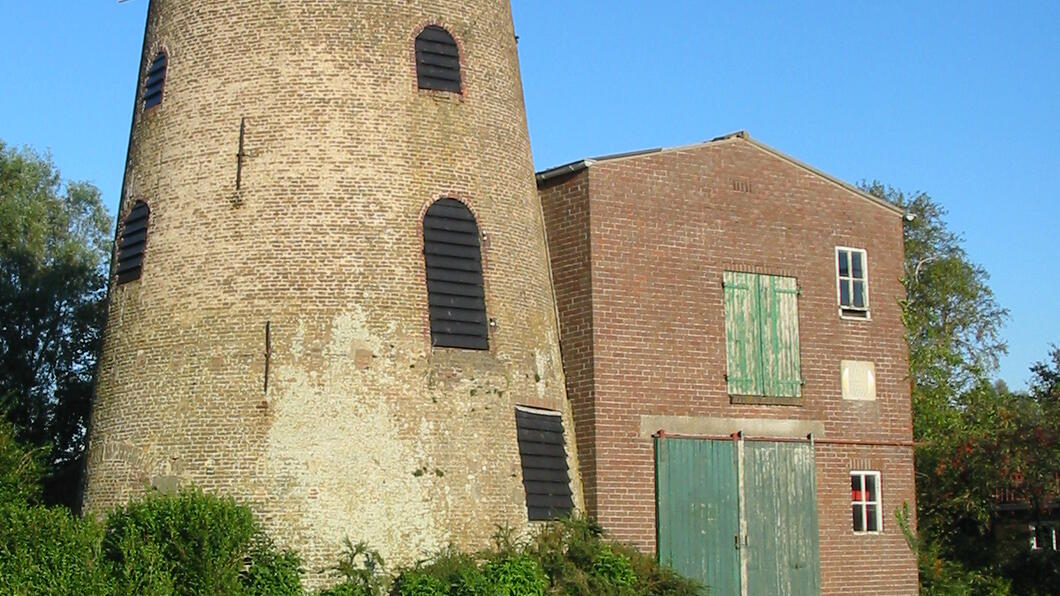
(741, 136)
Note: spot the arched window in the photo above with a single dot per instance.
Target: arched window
(455, 296)
(131, 243)
(156, 80)
(437, 60)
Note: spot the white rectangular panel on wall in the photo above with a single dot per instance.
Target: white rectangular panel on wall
(859, 380)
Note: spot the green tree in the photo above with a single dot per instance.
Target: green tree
(952, 318)
(54, 250)
(953, 327)
(1045, 385)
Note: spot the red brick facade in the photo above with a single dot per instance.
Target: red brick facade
(639, 245)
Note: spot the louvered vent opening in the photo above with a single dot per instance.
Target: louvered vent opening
(437, 60)
(156, 79)
(544, 461)
(131, 243)
(454, 277)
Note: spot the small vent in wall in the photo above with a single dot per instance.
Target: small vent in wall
(544, 462)
(156, 81)
(741, 185)
(131, 243)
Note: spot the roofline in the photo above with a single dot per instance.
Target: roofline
(830, 178)
(569, 168)
(577, 166)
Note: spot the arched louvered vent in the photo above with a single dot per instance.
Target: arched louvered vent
(437, 60)
(156, 80)
(454, 277)
(131, 243)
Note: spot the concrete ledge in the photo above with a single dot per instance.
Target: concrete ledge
(752, 427)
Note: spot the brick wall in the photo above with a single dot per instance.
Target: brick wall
(365, 430)
(566, 209)
(663, 228)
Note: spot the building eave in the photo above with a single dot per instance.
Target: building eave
(545, 176)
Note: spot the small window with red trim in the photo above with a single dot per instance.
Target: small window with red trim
(865, 502)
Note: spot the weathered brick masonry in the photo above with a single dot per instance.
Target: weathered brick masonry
(639, 245)
(365, 430)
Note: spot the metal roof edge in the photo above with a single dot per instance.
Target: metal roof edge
(577, 166)
(828, 177)
(570, 168)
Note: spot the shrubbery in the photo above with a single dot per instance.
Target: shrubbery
(566, 557)
(46, 550)
(190, 543)
(193, 543)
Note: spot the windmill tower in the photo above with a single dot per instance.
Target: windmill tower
(330, 296)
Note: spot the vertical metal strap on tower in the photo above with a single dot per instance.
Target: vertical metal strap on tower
(742, 537)
(240, 154)
(268, 353)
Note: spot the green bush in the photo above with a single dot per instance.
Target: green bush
(655, 579)
(518, 575)
(362, 571)
(45, 550)
(21, 471)
(417, 582)
(448, 572)
(613, 569)
(270, 571)
(138, 565)
(191, 543)
(580, 561)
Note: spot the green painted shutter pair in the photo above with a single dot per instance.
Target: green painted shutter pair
(762, 335)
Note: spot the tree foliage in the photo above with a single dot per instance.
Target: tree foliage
(979, 445)
(953, 321)
(53, 257)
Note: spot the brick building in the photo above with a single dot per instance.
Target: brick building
(734, 354)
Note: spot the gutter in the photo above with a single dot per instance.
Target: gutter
(564, 170)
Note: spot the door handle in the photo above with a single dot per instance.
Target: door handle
(736, 541)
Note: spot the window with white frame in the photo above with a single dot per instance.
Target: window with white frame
(865, 501)
(1043, 537)
(853, 281)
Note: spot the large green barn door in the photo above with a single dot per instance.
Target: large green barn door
(780, 496)
(698, 511)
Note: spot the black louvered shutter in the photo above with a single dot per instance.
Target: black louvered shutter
(437, 60)
(131, 243)
(544, 460)
(454, 277)
(156, 78)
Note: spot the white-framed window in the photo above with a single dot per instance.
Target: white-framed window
(1043, 537)
(852, 277)
(865, 499)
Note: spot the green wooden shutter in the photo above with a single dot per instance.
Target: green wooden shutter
(742, 342)
(762, 335)
(778, 301)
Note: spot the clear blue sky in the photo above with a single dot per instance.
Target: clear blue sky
(958, 99)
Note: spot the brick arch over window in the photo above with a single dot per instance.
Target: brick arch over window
(131, 243)
(437, 60)
(155, 82)
(455, 295)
